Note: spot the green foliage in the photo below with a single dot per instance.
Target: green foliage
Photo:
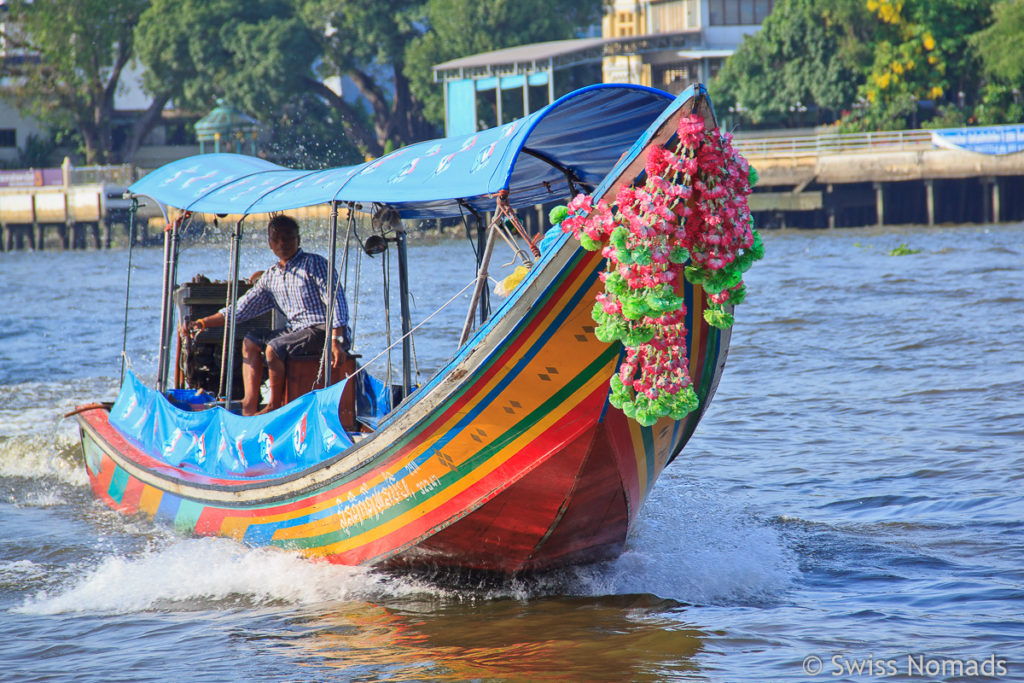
(252, 54)
(1001, 45)
(37, 152)
(82, 47)
(1000, 48)
(999, 103)
(920, 53)
(807, 56)
(903, 250)
(870, 63)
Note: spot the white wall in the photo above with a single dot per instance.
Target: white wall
(10, 118)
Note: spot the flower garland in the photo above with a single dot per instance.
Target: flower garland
(692, 208)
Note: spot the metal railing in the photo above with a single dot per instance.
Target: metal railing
(834, 143)
(124, 174)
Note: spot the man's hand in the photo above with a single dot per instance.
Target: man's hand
(338, 355)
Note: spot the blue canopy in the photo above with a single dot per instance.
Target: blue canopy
(580, 135)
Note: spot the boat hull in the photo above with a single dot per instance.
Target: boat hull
(511, 458)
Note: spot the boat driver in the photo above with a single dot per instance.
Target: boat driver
(297, 286)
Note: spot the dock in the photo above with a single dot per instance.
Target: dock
(912, 177)
(893, 178)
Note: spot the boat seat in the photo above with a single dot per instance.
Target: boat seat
(301, 377)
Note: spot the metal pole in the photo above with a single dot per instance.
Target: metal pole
(164, 305)
(403, 290)
(228, 351)
(325, 358)
(481, 282)
(484, 303)
(172, 284)
(128, 283)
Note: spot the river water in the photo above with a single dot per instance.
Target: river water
(852, 502)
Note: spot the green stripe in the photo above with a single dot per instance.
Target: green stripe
(118, 481)
(469, 465)
(188, 515)
(555, 289)
(647, 436)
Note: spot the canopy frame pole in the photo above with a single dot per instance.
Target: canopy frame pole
(227, 371)
(403, 296)
(326, 358)
(484, 305)
(481, 282)
(169, 274)
(128, 280)
(175, 252)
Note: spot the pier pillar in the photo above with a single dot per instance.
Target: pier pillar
(986, 199)
(995, 199)
(879, 203)
(38, 236)
(929, 199)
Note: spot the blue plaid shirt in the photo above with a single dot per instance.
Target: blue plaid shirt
(299, 290)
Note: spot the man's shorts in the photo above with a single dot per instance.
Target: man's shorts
(308, 341)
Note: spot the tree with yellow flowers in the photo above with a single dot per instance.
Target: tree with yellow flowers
(921, 55)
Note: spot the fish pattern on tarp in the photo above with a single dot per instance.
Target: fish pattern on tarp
(302, 433)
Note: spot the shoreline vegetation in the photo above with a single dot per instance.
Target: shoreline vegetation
(851, 65)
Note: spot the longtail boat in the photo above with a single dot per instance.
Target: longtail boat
(537, 443)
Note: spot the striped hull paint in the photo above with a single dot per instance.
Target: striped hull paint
(509, 459)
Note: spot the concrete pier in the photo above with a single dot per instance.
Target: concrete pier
(915, 184)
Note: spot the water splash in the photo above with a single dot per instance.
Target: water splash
(691, 548)
(45, 457)
(209, 573)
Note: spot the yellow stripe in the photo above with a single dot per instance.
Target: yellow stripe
(465, 482)
(492, 420)
(149, 501)
(637, 438)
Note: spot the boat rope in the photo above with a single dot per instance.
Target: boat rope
(504, 216)
(421, 324)
(509, 213)
(128, 284)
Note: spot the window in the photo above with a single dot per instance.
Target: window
(8, 137)
(738, 12)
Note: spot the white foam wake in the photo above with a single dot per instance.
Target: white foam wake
(691, 548)
(205, 573)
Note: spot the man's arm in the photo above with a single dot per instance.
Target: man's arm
(215, 320)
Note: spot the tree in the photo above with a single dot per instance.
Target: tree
(75, 53)
(366, 41)
(459, 28)
(258, 56)
(808, 56)
(921, 54)
(1000, 48)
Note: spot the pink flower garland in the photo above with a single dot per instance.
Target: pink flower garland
(692, 207)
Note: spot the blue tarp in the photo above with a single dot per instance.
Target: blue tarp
(586, 131)
(982, 139)
(219, 443)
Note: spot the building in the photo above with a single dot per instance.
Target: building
(706, 31)
(666, 44)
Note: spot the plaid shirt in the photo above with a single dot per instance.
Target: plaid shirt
(297, 289)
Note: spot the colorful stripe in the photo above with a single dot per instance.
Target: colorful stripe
(541, 388)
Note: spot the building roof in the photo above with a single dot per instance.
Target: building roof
(560, 54)
(534, 52)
